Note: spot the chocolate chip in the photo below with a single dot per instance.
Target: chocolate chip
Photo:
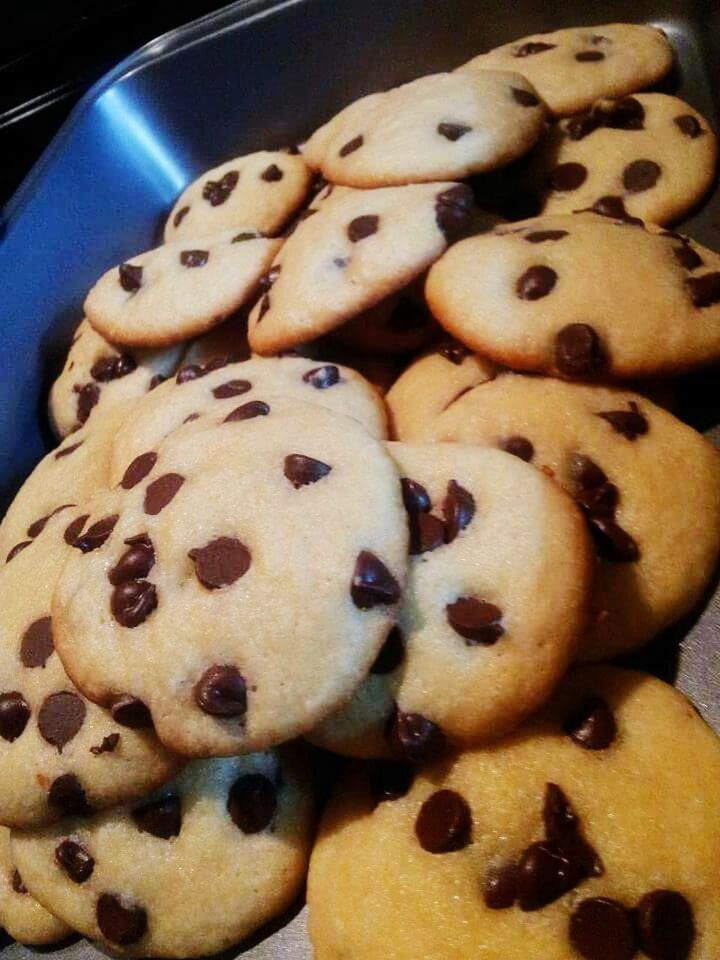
(524, 97)
(705, 290)
(593, 725)
(248, 411)
(67, 795)
(221, 562)
(612, 542)
(427, 533)
(688, 258)
(130, 712)
(130, 276)
(272, 174)
(362, 227)
(541, 236)
(232, 388)
(589, 56)
(665, 925)
(246, 235)
(132, 602)
(578, 351)
(217, 191)
(453, 131)
(37, 645)
(630, 423)
(74, 860)
(191, 371)
(615, 208)
(688, 125)
(500, 887)
(18, 548)
(532, 47)
(194, 258)
(74, 528)
(585, 472)
(191, 417)
(118, 923)
(519, 447)
(453, 351)
(96, 534)
(351, 146)
(252, 802)
(415, 496)
(107, 745)
(477, 621)
(138, 469)
(161, 491)
(180, 216)
(372, 583)
(452, 210)
(535, 283)
(16, 882)
(61, 717)
(562, 827)
(600, 501)
(413, 737)
(322, 377)
(543, 876)
(66, 451)
(14, 715)
(301, 470)
(444, 823)
(640, 175)
(458, 509)
(581, 126)
(391, 654)
(221, 692)
(161, 818)
(568, 176)
(156, 381)
(625, 114)
(136, 563)
(107, 369)
(390, 780)
(88, 398)
(602, 929)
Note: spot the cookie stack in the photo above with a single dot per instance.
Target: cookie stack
(241, 555)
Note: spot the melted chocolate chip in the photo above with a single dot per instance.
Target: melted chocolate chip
(14, 715)
(362, 227)
(301, 470)
(415, 496)
(96, 534)
(519, 447)
(602, 929)
(688, 125)
(391, 654)
(16, 882)
(222, 692)
(112, 368)
(615, 208)
(118, 923)
(600, 501)
(453, 131)
(248, 411)
(108, 745)
(592, 725)
(194, 258)
(453, 351)
(612, 542)
(372, 583)
(136, 563)
(578, 351)
(630, 423)
(191, 371)
(132, 602)
(88, 398)
(61, 717)
(272, 174)
(625, 114)
(500, 887)
(589, 56)
(67, 795)
(130, 275)
(585, 472)
(535, 283)
(322, 377)
(161, 491)
(246, 235)
(221, 562)
(477, 621)
(217, 191)
(233, 388)
(138, 469)
(665, 925)
(18, 548)
(458, 509)
(532, 47)
(37, 645)
(351, 146)
(390, 780)
(74, 528)
(180, 216)
(252, 803)
(524, 97)
(705, 290)
(130, 712)
(161, 818)
(413, 737)
(74, 860)
(66, 451)
(427, 533)
(542, 236)
(568, 176)
(688, 258)
(640, 175)
(544, 874)
(444, 823)
(452, 210)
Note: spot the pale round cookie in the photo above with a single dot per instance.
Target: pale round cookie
(188, 872)
(446, 126)
(196, 391)
(431, 384)
(59, 753)
(476, 649)
(97, 375)
(21, 915)
(355, 249)
(401, 323)
(590, 833)
(648, 484)
(649, 156)
(275, 558)
(572, 68)
(179, 290)
(258, 192)
(563, 295)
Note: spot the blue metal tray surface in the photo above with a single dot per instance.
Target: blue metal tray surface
(263, 74)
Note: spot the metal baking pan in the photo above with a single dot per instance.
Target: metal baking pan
(262, 74)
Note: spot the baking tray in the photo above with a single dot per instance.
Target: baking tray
(262, 74)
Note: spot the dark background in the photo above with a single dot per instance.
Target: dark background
(50, 53)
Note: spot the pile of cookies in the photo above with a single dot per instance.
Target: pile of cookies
(349, 464)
